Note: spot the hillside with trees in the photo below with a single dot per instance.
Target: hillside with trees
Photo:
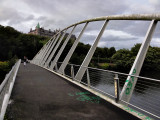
(14, 44)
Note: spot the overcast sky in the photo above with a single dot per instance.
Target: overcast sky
(55, 14)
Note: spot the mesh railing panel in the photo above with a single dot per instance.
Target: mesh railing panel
(146, 94)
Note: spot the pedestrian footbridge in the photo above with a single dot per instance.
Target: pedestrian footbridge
(49, 89)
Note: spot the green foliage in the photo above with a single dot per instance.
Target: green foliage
(152, 60)
(135, 49)
(14, 43)
(104, 52)
(5, 67)
(80, 53)
(124, 59)
(104, 65)
(29, 45)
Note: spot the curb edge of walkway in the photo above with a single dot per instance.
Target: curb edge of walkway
(123, 107)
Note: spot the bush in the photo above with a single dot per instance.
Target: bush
(4, 66)
(4, 69)
(104, 65)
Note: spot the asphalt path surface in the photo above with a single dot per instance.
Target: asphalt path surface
(41, 95)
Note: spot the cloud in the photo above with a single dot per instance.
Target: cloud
(119, 34)
(55, 14)
(154, 2)
(111, 33)
(120, 43)
(65, 13)
(155, 42)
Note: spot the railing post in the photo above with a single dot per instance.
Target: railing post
(88, 78)
(56, 68)
(72, 72)
(116, 86)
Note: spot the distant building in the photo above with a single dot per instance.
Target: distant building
(42, 32)
(47, 33)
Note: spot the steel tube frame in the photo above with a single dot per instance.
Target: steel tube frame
(38, 57)
(144, 17)
(136, 68)
(89, 55)
(48, 53)
(54, 50)
(72, 49)
(47, 49)
(43, 52)
(61, 50)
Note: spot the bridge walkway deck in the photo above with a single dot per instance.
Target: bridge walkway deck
(41, 95)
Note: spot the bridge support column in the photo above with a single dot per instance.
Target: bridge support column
(67, 58)
(49, 51)
(136, 68)
(43, 51)
(89, 55)
(61, 50)
(54, 50)
(39, 56)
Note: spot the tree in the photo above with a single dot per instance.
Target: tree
(14, 43)
(111, 52)
(135, 49)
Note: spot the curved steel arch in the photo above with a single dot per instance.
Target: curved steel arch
(135, 70)
(143, 17)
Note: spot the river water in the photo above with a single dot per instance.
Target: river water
(146, 94)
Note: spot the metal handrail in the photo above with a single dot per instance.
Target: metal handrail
(110, 71)
(5, 80)
(111, 95)
(9, 83)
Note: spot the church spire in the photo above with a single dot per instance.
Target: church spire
(38, 26)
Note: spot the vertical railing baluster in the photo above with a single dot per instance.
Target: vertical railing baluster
(72, 72)
(56, 68)
(116, 86)
(88, 78)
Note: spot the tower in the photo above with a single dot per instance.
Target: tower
(37, 29)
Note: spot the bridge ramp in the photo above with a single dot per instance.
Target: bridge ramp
(41, 95)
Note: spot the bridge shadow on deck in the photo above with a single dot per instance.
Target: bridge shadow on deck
(41, 95)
